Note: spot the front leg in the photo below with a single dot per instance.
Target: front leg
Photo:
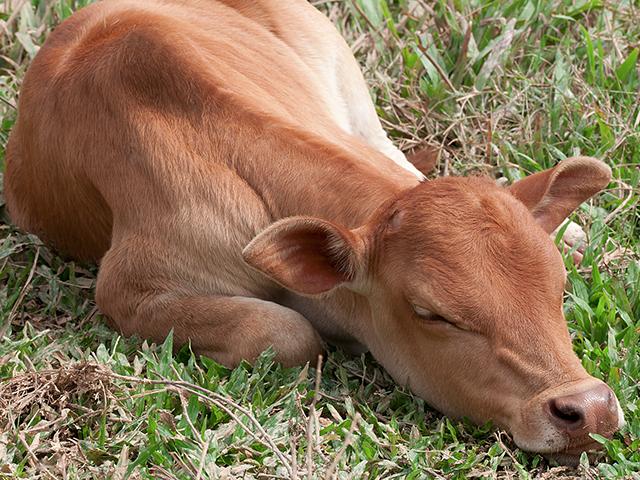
(228, 329)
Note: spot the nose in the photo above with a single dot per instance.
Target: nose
(594, 410)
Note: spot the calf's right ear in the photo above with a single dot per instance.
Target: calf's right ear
(307, 255)
(553, 194)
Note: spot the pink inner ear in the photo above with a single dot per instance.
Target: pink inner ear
(310, 263)
(303, 254)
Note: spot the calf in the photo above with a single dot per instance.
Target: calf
(223, 162)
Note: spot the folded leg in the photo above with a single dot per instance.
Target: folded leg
(229, 329)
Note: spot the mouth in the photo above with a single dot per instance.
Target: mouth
(568, 452)
(570, 456)
(585, 447)
(573, 459)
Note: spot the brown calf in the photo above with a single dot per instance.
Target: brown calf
(223, 162)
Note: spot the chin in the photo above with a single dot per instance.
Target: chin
(572, 459)
(564, 459)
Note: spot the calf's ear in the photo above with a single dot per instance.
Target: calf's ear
(307, 255)
(553, 194)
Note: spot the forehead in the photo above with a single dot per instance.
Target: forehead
(476, 251)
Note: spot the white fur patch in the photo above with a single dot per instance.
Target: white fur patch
(398, 157)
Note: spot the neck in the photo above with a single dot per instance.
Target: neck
(342, 180)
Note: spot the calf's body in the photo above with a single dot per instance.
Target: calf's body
(223, 162)
(172, 135)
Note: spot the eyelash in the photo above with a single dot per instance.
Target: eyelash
(425, 314)
(428, 316)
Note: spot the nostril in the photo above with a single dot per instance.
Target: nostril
(566, 415)
(590, 409)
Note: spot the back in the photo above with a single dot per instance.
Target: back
(116, 77)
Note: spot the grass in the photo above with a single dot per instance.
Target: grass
(503, 88)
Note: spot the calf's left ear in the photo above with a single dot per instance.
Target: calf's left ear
(307, 255)
(553, 194)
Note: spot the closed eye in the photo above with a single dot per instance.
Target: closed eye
(429, 316)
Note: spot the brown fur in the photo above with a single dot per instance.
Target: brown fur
(223, 163)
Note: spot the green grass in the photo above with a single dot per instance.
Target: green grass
(504, 88)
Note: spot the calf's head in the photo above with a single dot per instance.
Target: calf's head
(463, 290)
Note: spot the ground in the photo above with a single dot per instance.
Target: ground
(502, 88)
